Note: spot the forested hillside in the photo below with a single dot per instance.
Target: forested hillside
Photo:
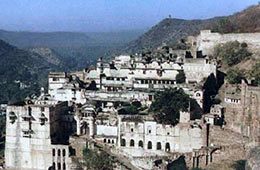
(77, 50)
(21, 72)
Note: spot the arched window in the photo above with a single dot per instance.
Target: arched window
(53, 152)
(105, 140)
(158, 146)
(132, 143)
(108, 140)
(64, 166)
(167, 147)
(122, 142)
(149, 145)
(58, 152)
(53, 166)
(140, 144)
(113, 141)
(64, 152)
(59, 166)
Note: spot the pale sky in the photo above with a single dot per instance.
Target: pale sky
(107, 15)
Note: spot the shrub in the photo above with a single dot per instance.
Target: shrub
(231, 53)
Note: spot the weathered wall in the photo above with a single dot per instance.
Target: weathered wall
(206, 41)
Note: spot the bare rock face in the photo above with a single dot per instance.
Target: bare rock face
(253, 161)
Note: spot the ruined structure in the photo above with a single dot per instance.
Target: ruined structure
(242, 111)
(205, 42)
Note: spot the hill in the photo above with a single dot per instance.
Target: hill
(44, 39)
(167, 31)
(76, 50)
(171, 30)
(246, 21)
(21, 72)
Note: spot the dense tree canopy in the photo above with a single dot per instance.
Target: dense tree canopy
(231, 53)
(168, 104)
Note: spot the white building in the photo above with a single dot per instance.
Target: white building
(34, 135)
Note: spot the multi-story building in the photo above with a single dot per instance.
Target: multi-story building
(35, 138)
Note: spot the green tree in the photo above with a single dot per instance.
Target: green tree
(231, 53)
(234, 76)
(180, 77)
(131, 110)
(168, 104)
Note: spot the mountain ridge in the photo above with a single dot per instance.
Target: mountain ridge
(170, 30)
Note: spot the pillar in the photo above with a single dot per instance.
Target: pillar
(91, 128)
(119, 131)
(78, 126)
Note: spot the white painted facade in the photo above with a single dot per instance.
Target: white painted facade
(31, 130)
(149, 135)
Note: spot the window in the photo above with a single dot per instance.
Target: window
(53, 152)
(159, 146)
(59, 166)
(55, 79)
(150, 97)
(149, 146)
(58, 152)
(122, 142)
(108, 140)
(132, 130)
(140, 144)
(64, 166)
(64, 152)
(132, 143)
(105, 140)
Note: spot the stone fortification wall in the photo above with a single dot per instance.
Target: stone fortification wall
(206, 41)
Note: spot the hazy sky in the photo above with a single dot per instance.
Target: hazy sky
(107, 15)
